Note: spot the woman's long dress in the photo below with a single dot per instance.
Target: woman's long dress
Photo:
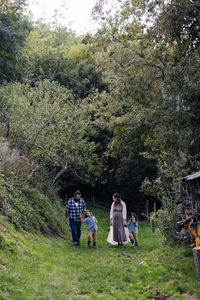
(119, 235)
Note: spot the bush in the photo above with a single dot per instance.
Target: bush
(31, 210)
(166, 220)
(15, 168)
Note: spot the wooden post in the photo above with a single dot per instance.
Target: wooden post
(154, 216)
(147, 210)
(196, 253)
(197, 238)
(93, 199)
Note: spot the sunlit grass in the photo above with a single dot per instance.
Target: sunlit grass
(36, 267)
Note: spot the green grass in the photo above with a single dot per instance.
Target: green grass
(37, 267)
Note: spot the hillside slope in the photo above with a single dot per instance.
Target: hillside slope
(37, 267)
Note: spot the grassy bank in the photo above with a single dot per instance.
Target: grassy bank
(37, 267)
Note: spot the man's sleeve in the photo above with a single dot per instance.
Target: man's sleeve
(83, 206)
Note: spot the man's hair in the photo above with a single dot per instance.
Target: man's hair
(77, 192)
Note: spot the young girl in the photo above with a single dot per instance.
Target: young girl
(133, 225)
(92, 227)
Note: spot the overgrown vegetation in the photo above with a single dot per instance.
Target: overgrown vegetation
(30, 209)
(119, 108)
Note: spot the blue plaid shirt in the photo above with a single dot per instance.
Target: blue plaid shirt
(74, 212)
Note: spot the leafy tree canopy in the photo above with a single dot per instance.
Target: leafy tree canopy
(14, 28)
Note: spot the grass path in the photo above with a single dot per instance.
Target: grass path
(35, 267)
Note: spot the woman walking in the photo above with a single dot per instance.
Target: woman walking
(118, 214)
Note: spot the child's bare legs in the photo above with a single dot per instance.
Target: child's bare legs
(94, 236)
(131, 238)
(135, 235)
(89, 237)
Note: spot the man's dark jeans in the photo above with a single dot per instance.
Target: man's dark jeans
(76, 231)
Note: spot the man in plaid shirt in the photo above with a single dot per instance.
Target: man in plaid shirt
(74, 209)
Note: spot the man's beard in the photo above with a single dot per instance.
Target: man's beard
(76, 200)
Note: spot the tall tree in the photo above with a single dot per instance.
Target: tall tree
(151, 56)
(14, 27)
(50, 129)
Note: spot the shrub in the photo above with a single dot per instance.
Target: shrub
(166, 220)
(15, 167)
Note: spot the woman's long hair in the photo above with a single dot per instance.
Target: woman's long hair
(118, 198)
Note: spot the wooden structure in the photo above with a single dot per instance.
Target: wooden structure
(188, 211)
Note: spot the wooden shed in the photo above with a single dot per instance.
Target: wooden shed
(188, 212)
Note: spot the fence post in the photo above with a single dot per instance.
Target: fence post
(147, 210)
(93, 199)
(196, 253)
(154, 216)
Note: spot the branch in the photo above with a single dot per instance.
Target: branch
(63, 170)
(151, 64)
(38, 133)
(57, 161)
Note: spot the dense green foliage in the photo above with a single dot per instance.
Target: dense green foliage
(119, 108)
(14, 27)
(30, 209)
(153, 57)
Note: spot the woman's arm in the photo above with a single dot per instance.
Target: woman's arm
(111, 213)
(124, 211)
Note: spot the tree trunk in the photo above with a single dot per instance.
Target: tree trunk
(63, 170)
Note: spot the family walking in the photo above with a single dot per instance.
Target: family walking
(119, 229)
